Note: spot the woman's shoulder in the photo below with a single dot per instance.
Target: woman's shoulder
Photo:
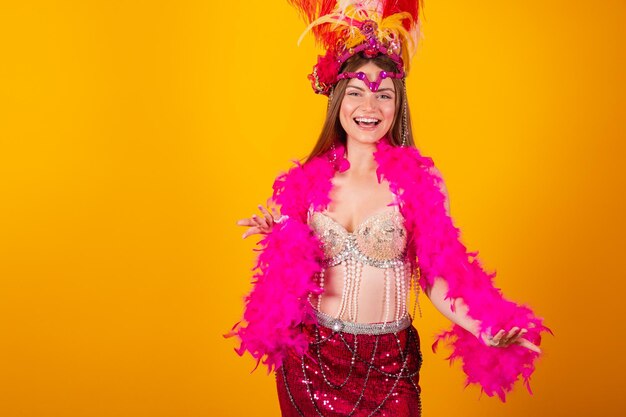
(442, 187)
(425, 162)
(434, 171)
(411, 167)
(303, 184)
(298, 172)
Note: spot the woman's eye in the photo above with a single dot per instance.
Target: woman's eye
(385, 97)
(353, 93)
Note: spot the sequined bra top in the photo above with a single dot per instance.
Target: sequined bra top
(379, 241)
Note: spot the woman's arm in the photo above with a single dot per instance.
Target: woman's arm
(457, 312)
(261, 225)
(453, 310)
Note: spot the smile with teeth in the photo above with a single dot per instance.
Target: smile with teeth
(366, 121)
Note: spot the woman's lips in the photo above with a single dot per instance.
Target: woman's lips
(366, 123)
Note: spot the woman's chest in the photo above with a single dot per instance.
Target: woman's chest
(354, 200)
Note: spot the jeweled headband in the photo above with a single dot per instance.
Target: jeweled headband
(349, 27)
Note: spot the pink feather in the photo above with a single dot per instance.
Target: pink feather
(438, 247)
(291, 255)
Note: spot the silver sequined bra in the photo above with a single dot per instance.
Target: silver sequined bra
(379, 241)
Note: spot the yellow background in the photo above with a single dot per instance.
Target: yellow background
(135, 133)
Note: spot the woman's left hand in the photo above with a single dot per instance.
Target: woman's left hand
(514, 336)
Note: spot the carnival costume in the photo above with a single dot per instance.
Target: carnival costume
(334, 365)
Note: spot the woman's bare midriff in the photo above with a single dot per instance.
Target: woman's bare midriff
(371, 297)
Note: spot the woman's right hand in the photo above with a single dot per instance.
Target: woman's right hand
(260, 225)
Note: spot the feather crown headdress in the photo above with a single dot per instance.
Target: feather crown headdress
(347, 27)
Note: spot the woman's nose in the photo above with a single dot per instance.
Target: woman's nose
(369, 102)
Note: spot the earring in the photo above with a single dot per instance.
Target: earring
(333, 153)
(333, 150)
(405, 127)
(330, 98)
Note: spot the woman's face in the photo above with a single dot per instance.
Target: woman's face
(367, 116)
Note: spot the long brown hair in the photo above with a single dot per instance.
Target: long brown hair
(332, 130)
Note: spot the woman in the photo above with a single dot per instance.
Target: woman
(365, 219)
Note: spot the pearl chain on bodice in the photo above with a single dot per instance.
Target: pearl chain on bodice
(380, 242)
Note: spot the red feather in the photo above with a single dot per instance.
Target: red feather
(327, 36)
(312, 9)
(397, 6)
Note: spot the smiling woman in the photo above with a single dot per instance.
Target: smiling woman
(356, 93)
(367, 115)
(365, 220)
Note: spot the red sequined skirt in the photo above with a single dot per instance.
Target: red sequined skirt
(352, 372)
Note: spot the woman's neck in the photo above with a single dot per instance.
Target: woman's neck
(361, 157)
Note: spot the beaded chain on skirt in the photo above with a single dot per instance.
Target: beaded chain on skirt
(350, 371)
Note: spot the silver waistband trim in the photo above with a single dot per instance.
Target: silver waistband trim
(337, 325)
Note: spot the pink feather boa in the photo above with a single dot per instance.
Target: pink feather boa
(291, 255)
